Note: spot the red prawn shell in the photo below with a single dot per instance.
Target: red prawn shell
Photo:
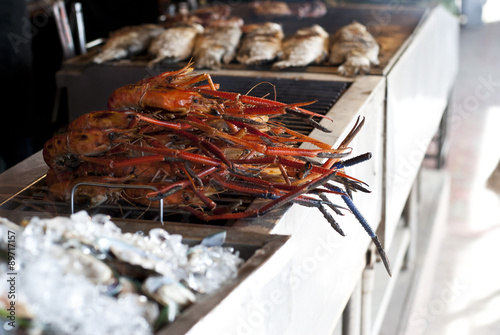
(144, 97)
(104, 120)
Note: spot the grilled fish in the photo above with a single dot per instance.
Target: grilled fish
(174, 44)
(310, 9)
(306, 46)
(128, 41)
(281, 8)
(355, 49)
(204, 16)
(270, 8)
(261, 43)
(217, 44)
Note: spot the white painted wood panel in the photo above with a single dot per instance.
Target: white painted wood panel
(325, 265)
(418, 88)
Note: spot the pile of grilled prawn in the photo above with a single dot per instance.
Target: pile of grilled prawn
(178, 134)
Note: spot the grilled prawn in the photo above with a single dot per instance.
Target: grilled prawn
(211, 143)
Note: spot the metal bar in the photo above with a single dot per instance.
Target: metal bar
(352, 313)
(73, 190)
(94, 43)
(63, 29)
(368, 283)
(80, 27)
(411, 220)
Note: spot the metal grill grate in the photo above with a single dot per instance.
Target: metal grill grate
(325, 93)
(34, 199)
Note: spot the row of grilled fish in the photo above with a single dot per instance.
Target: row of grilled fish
(353, 47)
(266, 8)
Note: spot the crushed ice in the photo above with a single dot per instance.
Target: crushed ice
(67, 289)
